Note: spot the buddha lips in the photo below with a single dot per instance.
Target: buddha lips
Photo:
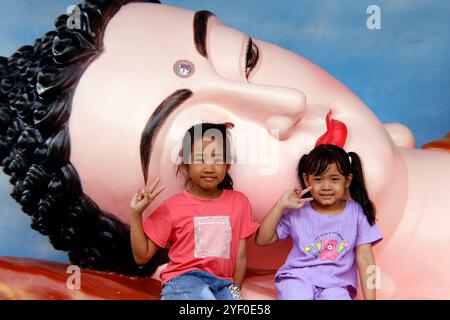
(336, 133)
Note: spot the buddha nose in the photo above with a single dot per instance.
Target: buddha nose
(278, 108)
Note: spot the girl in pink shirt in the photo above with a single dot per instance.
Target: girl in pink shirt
(206, 225)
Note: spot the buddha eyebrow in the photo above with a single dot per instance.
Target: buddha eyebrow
(155, 122)
(200, 30)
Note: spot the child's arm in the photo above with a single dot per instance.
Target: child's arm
(292, 198)
(143, 248)
(241, 263)
(365, 260)
(266, 233)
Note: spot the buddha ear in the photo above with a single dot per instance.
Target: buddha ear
(229, 125)
(401, 135)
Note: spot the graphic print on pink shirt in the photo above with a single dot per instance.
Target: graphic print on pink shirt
(212, 236)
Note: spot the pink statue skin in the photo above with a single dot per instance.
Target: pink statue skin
(284, 101)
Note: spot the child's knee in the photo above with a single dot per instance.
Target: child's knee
(337, 293)
(294, 289)
(186, 287)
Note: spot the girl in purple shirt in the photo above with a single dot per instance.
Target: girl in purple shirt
(332, 229)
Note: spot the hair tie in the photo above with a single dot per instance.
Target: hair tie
(350, 159)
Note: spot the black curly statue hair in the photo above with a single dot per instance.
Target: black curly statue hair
(36, 89)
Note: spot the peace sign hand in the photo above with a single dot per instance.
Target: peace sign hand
(292, 198)
(143, 198)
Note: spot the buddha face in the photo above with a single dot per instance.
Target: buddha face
(277, 101)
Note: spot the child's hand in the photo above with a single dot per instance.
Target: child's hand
(292, 198)
(142, 199)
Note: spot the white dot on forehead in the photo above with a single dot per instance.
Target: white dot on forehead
(184, 68)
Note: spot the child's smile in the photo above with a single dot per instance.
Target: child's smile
(328, 189)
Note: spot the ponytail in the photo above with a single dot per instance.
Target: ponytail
(358, 189)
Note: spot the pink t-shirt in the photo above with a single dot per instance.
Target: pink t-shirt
(202, 234)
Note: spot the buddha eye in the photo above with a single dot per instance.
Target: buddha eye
(251, 58)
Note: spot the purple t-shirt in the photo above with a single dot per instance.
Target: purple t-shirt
(324, 245)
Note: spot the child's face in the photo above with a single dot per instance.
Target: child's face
(208, 166)
(328, 187)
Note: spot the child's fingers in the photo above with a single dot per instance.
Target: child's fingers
(306, 191)
(140, 195)
(154, 194)
(157, 192)
(154, 185)
(295, 190)
(302, 202)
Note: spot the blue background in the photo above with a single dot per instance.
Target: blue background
(401, 71)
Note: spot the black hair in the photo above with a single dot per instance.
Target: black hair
(36, 88)
(317, 161)
(188, 143)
